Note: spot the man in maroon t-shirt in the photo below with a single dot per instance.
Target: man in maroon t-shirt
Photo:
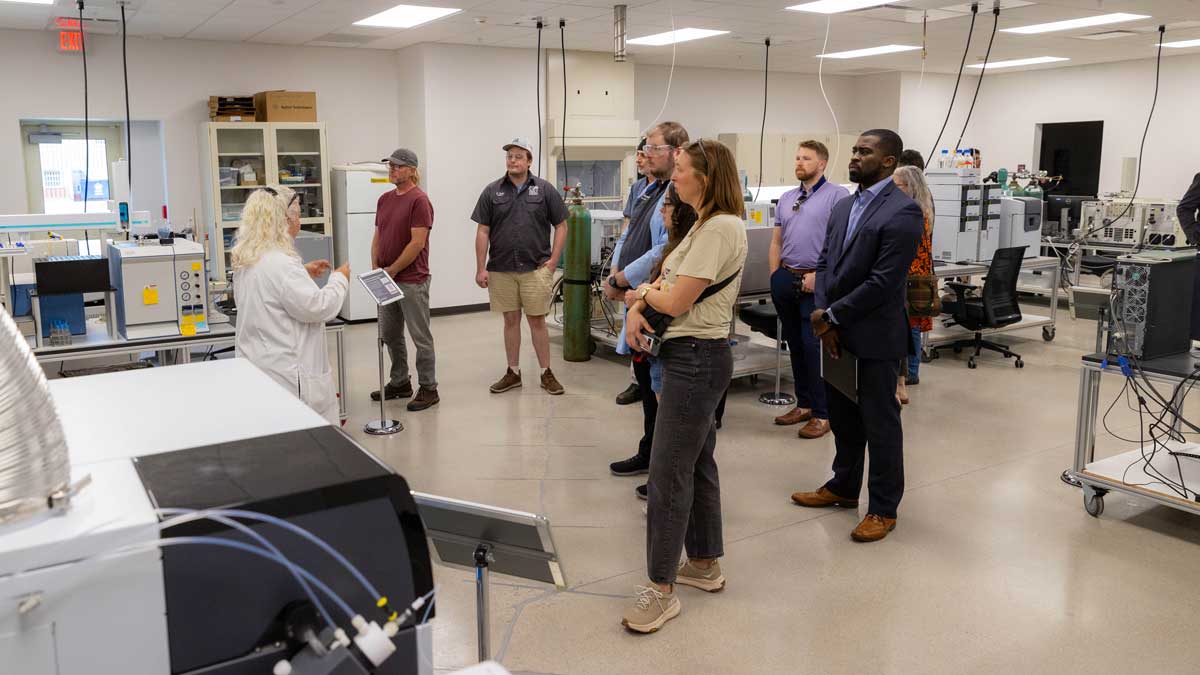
(403, 219)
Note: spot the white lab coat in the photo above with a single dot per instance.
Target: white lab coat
(281, 326)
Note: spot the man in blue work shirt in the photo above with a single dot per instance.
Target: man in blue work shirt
(801, 218)
(638, 251)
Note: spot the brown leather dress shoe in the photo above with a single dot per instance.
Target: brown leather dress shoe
(795, 416)
(426, 398)
(822, 498)
(815, 428)
(873, 528)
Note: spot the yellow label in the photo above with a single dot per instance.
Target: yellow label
(379, 180)
(200, 318)
(150, 295)
(188, 318)
(188, 329)
(196, 266)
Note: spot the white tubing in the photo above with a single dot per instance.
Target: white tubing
(821, 81)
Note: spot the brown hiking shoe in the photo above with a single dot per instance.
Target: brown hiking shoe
(550, 383)
(796, 416)
(873, 528)
(510, 380)
(426, 398)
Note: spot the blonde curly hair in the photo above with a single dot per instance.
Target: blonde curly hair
(264, 227)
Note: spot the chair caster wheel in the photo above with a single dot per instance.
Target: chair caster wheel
(1019, 363)
(971, 363)
(1048, 333)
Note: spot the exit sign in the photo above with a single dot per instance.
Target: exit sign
(70, 41)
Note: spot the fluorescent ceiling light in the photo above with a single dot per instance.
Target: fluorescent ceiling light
(31, 2)
(870, 51)
(675, 36)
(406, 16)
(1182, 44)
(1021, 62)
(835, 6)
(1071, 24)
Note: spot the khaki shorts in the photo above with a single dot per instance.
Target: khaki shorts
(521, 291)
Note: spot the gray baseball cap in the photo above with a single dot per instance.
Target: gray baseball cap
(402, 157)
(519, 143)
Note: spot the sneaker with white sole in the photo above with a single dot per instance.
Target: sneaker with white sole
(710, 580)
(651, 609)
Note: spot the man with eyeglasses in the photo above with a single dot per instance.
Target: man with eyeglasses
(515, 260)
(638, 252)
(801, 218)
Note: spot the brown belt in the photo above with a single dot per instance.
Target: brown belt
(797, 272)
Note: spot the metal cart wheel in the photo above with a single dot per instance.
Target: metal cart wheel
(1093, 501)
(926, 357)
(1048, 333)
(971, 363)
(1019, 363)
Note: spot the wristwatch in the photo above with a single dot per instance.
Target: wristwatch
(612, 281)
(643, 291)
(827, 318)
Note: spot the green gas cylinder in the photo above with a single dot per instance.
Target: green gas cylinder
(577, 273)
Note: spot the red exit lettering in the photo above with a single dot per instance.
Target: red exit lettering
(70, 41)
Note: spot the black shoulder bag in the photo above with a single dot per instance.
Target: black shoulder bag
(660, 322)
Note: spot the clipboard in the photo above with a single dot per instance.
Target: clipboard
(841, 372)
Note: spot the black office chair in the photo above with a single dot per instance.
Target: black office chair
(995, 309)
(762, 318)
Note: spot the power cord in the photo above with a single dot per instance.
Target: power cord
(128, 120)
(671, 73)
(1162, 30)
(821, 82)
(979, 83)
(87, 144)
(538, 94)
(562, 34)
(762, 134)
(957, 80)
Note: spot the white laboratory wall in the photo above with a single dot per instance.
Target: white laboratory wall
(710, 101)
(149, 171)
(171, 80)
(1012, 105)
(473, 100)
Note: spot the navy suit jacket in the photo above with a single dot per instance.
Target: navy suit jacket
(863, 281)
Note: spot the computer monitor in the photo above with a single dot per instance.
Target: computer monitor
(1055, 205)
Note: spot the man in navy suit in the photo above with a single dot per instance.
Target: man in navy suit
(860, 295)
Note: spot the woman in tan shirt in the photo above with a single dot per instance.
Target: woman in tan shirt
(698, 286)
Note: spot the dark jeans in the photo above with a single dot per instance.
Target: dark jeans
(914, 359)
(641, 371)
(794, 310)
(684, 509)
(872, 425)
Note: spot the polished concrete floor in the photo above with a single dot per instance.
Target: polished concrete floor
(994, 566)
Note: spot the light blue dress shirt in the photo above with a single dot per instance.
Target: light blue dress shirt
(638, 271)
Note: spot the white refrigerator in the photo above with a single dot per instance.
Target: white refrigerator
(356, 191)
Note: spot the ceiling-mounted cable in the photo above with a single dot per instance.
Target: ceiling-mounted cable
(562, 36)
(979, 83)
(1162, 31)
(671, 73)
(821, 81)
(87, 145)
(762, 134)
(924, 51)
(128, 121)
(957, 80)
(538, 97)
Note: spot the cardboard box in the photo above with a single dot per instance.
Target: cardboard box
(286, 106)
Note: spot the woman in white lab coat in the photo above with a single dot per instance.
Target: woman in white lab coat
(281, 313)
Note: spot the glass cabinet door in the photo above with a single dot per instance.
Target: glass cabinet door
(241, 167)
(298, 157)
